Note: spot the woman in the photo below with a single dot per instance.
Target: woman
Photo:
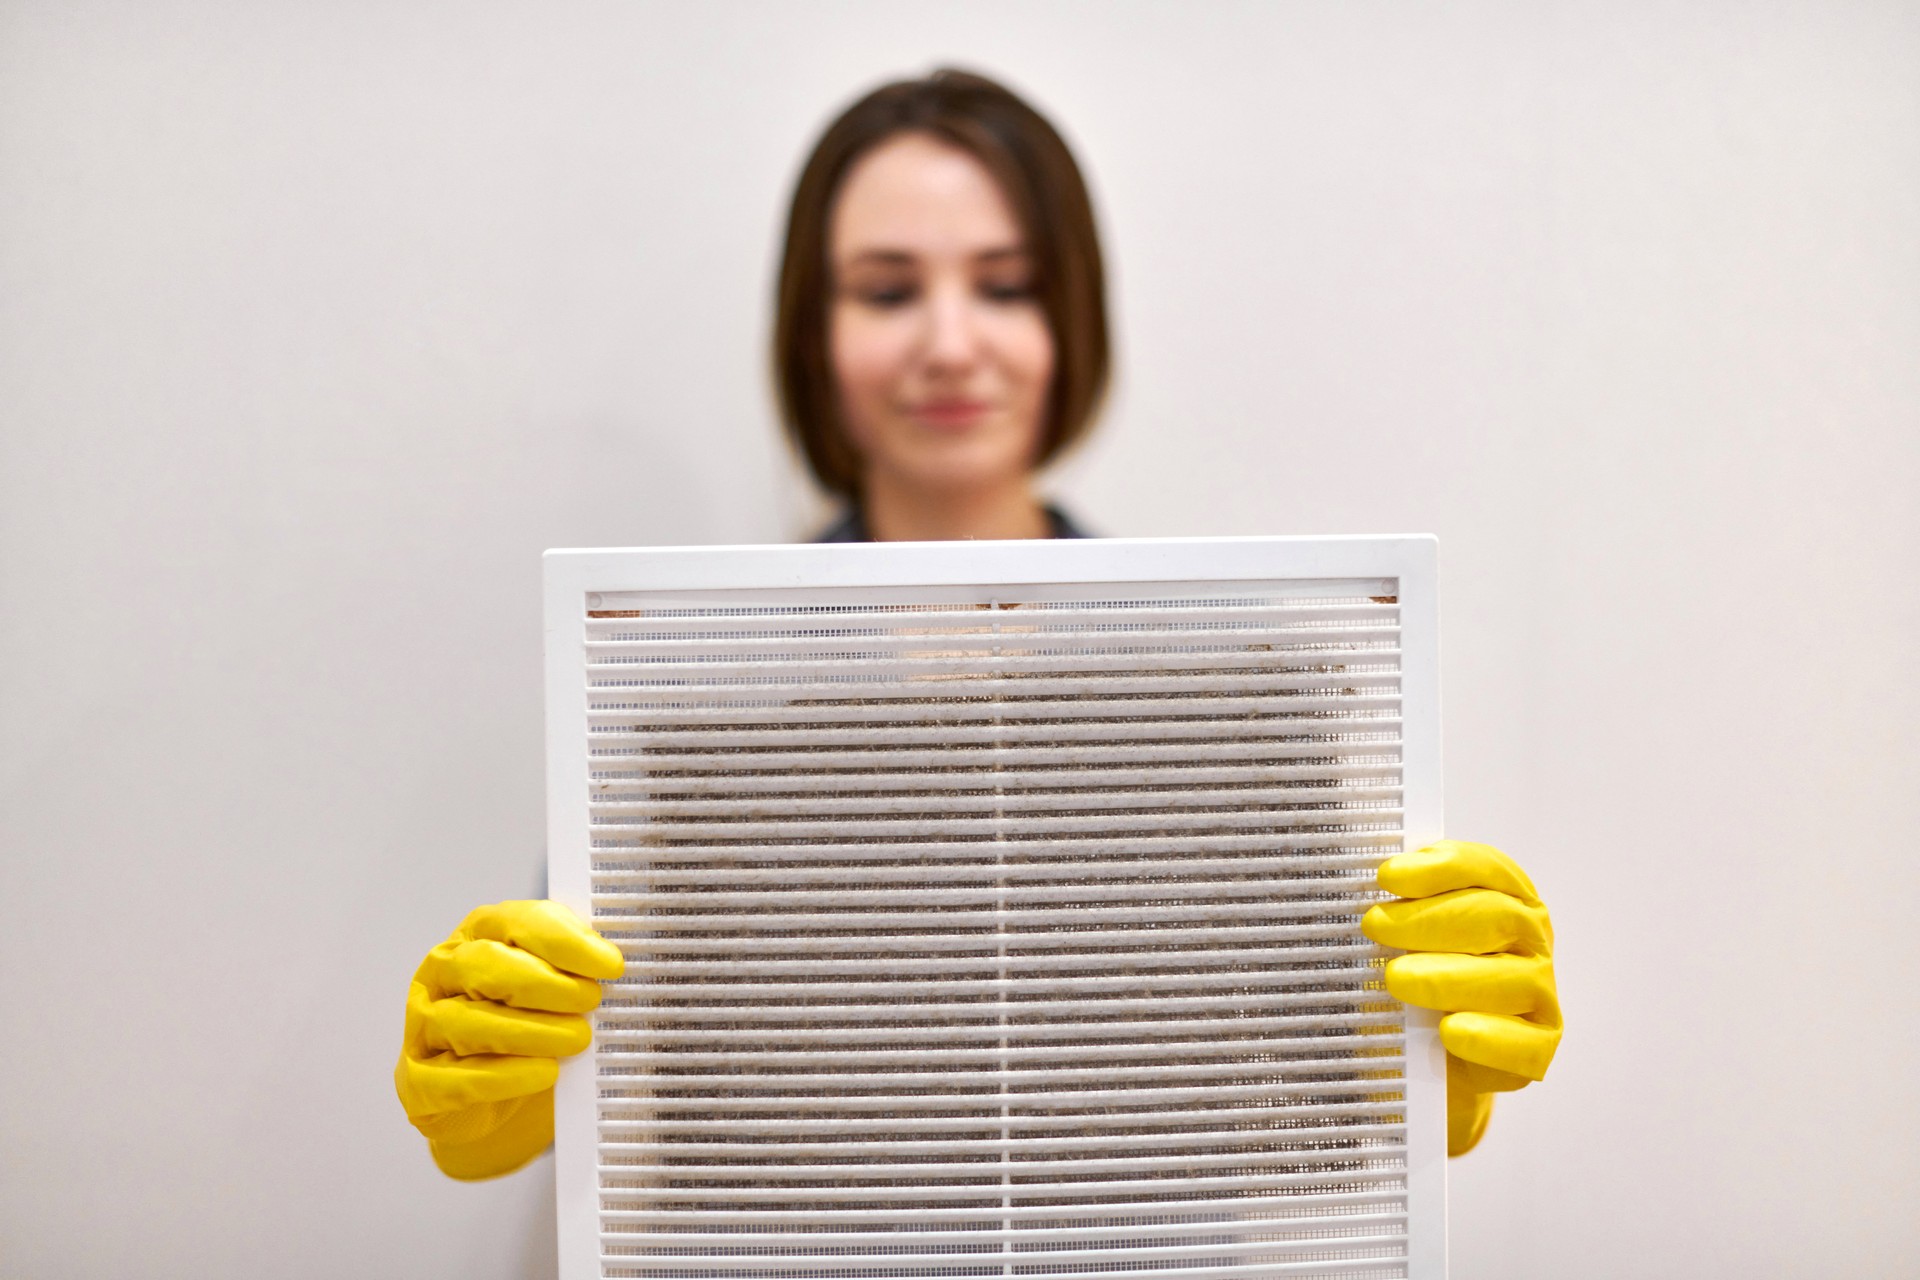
(942, 316)
(941, 337)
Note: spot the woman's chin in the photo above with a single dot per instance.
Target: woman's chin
(952, 466)
(960, 478)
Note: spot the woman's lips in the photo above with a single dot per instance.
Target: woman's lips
(948, 414)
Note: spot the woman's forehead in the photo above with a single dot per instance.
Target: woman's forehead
(914, 196)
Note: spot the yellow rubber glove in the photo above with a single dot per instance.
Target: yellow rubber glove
(1482, 953)
(490, 1011)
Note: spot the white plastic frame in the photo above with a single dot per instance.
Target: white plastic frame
(711, 573)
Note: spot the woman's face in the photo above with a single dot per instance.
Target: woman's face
(941, 352)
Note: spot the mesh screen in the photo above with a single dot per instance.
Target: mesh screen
(1007, 937)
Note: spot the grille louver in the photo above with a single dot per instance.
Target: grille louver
(1001, 930)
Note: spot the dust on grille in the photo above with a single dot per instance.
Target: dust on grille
(1004, 938)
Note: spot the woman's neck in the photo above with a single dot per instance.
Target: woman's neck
(901, 513)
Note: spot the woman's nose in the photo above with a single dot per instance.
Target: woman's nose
(953, 331)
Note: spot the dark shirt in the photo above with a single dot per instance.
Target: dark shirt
(852, 527)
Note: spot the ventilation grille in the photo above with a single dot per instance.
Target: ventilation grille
(998, 937)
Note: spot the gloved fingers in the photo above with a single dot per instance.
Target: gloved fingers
(1468, 1108)
(549, 931)
(470, 1124)
(1513, 1045)
(1446, 865)
(467, 1026)
(515, 1140)
(1486, 984)
(1479, 1079)
(1473, 921)
(494, 970)
(443, 1082)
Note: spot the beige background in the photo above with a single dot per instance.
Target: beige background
(318, 322)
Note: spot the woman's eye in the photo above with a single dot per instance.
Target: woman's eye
(1006, 290)
(897, 295)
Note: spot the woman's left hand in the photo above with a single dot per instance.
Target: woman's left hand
(1481, 952)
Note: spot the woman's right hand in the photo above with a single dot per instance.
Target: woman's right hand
(490, 1011)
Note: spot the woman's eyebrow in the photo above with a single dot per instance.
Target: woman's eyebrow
(883, 257)
(902, 258)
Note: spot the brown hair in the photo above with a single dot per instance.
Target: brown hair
(1049, 197)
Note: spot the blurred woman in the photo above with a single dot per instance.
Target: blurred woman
(941, 337)
(942, 326)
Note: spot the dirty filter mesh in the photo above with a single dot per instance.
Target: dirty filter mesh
(1004, 938)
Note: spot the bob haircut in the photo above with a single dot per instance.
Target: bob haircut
(1036, 171)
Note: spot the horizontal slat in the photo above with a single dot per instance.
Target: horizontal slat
(617, 1031)
(1087, 631)
(985, 1090)
(987, 954)
(1243, 1231)
(1119, 825)
(857, 1057)
(1068, 788)
(1105, 616)
(887, 683)
(1323, 647)
(713, 1102)
(1081, 642)
(1308, 894)
(1124, 1196)
(610, 807)
(895, 605)
(616, 730)
(744, 1256)
(639, 753)
(1013, 1015)
(863, 1076)
(897, 1116)
(1288, 1210)
(1303, 641)
(1310, 1134)
(894, 612)
(1060, 849)
(1084, 915)
(1377, 1150)
(605, 878)
(1183, 933)
(614, 1122)
(1361, 1265)
(900, 615)
(1101, 628)
(1252, 1192)
(719, 778)
(1031, 984)
(839, 678)
(606, 708)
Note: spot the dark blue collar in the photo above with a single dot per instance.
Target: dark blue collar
(852, 527)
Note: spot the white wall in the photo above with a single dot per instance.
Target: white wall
(318, 322)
